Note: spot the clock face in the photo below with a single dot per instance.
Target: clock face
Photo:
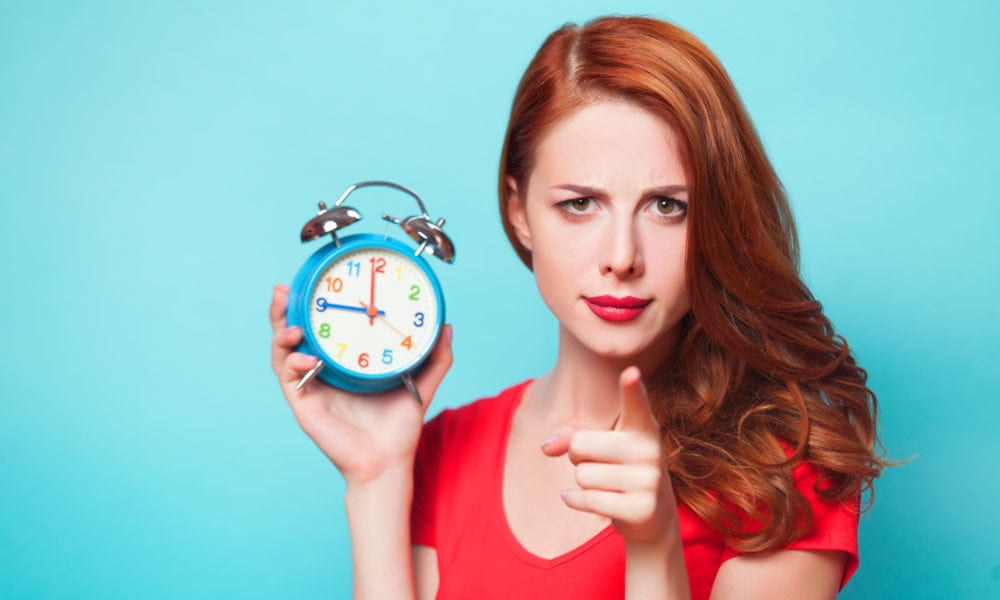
(374, 312)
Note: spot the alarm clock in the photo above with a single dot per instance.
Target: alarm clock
(370, 307)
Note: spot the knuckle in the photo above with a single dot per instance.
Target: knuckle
(645, 506)
(649, 478)
(656, 478)
(577, 443)
(650, 450)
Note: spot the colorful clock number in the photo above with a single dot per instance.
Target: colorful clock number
(418, 319)
(378, 264)
(324, 330)
(363, 360)
(407, 343)
(354, 267)
(387, 357)
(334, 284)
(414, 291)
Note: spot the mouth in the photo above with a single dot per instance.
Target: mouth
(610, 308)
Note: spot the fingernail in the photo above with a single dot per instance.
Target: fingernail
(549, 440)
(449, 333)
(291, 328)
(563, 494)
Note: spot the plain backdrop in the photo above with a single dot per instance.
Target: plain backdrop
(157, 160)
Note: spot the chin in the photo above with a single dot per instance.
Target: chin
(635, 346)
(619, 350)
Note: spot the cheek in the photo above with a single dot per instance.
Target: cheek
(665, 261)
(559, 265)
(560, 262)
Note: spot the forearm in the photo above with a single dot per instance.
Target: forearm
(656, 569)
(378, 514)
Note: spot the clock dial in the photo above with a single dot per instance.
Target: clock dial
(374, 312)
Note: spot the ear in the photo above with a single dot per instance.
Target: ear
(516, 213)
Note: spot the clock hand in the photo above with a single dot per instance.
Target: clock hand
(391, 326)
(322, 304)
(370, 310)
(381, 313)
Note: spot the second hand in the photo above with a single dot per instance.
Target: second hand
(381, 313)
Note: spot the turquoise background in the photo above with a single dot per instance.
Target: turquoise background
(157, 160)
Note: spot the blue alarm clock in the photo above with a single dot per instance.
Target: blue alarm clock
(370, 307)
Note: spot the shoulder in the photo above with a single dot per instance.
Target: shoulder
(481, 423)
(483, 416)
(830, 524)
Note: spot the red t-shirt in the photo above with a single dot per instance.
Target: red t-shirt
(458, 510)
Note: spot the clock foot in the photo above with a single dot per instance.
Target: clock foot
(309, 375)
(413, 388)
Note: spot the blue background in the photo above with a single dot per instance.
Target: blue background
(157, 160)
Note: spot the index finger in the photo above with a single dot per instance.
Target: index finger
(635, 412)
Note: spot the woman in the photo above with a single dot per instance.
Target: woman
(633, 184)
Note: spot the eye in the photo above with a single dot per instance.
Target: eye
(578, 205)
(669, 207)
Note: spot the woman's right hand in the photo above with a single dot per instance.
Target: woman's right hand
(365, 436)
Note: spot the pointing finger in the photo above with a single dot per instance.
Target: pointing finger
(635, 413)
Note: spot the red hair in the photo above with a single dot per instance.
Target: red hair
(760, 381)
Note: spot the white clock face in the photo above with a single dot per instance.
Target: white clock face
(373, 312)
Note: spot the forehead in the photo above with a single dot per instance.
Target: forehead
(609, 142)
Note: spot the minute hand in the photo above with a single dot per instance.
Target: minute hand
(323, 305)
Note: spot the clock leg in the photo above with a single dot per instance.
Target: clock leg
(309, 375)
(413, 388)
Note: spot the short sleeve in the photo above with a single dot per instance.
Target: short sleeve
(425, 477)
(835, 524)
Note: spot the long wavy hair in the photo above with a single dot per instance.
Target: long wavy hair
(760, 382)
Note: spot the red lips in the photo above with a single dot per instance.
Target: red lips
(615, 309)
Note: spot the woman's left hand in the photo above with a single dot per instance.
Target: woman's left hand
(622, 473)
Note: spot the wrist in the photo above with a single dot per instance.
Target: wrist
(656, 568)
(378, 515)
(390, 486)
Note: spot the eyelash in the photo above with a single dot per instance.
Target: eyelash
(569, 206)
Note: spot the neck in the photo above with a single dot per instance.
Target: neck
(582, 389)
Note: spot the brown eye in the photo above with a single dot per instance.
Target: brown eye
(578, 205)
(670, 207)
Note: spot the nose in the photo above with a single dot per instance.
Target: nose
(622, 257)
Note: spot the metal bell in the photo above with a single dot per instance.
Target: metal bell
(329, 220)
(427, 234)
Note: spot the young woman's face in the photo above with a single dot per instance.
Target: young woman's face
(605, 217)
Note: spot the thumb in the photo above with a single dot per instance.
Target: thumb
(557, 444)
(635, 412)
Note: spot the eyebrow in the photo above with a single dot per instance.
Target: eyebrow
(585, 190)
